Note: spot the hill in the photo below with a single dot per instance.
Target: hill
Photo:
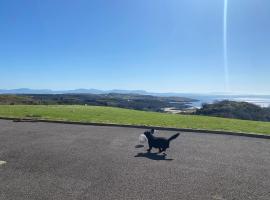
(131, 101)
(237, 110)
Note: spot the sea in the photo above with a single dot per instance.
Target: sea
(260, 100)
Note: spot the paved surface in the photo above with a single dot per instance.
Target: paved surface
(59, 161)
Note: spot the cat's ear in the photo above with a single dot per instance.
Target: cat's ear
(152, 131)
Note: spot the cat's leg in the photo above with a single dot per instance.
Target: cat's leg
(150, 148)
(160, 150)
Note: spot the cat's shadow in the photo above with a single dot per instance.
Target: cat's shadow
(154, 156)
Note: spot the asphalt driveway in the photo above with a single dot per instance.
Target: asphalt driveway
(60, 161)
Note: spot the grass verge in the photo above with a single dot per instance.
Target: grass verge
(99, 114)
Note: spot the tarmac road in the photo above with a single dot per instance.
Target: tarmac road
(62, 161)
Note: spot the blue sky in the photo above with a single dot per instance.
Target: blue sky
(155, 45)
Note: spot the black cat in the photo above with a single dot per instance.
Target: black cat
(158, 142)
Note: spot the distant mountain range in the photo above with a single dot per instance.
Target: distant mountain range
(201, 96)
(261, 100)
(83, 91)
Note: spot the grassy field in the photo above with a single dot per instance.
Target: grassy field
(132, 117)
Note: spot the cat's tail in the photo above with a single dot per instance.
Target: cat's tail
(174, 137)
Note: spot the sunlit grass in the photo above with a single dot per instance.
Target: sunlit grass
(132, 117)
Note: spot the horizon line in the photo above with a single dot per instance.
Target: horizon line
(141, 90)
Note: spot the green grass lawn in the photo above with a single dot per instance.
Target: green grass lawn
(132, 117)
